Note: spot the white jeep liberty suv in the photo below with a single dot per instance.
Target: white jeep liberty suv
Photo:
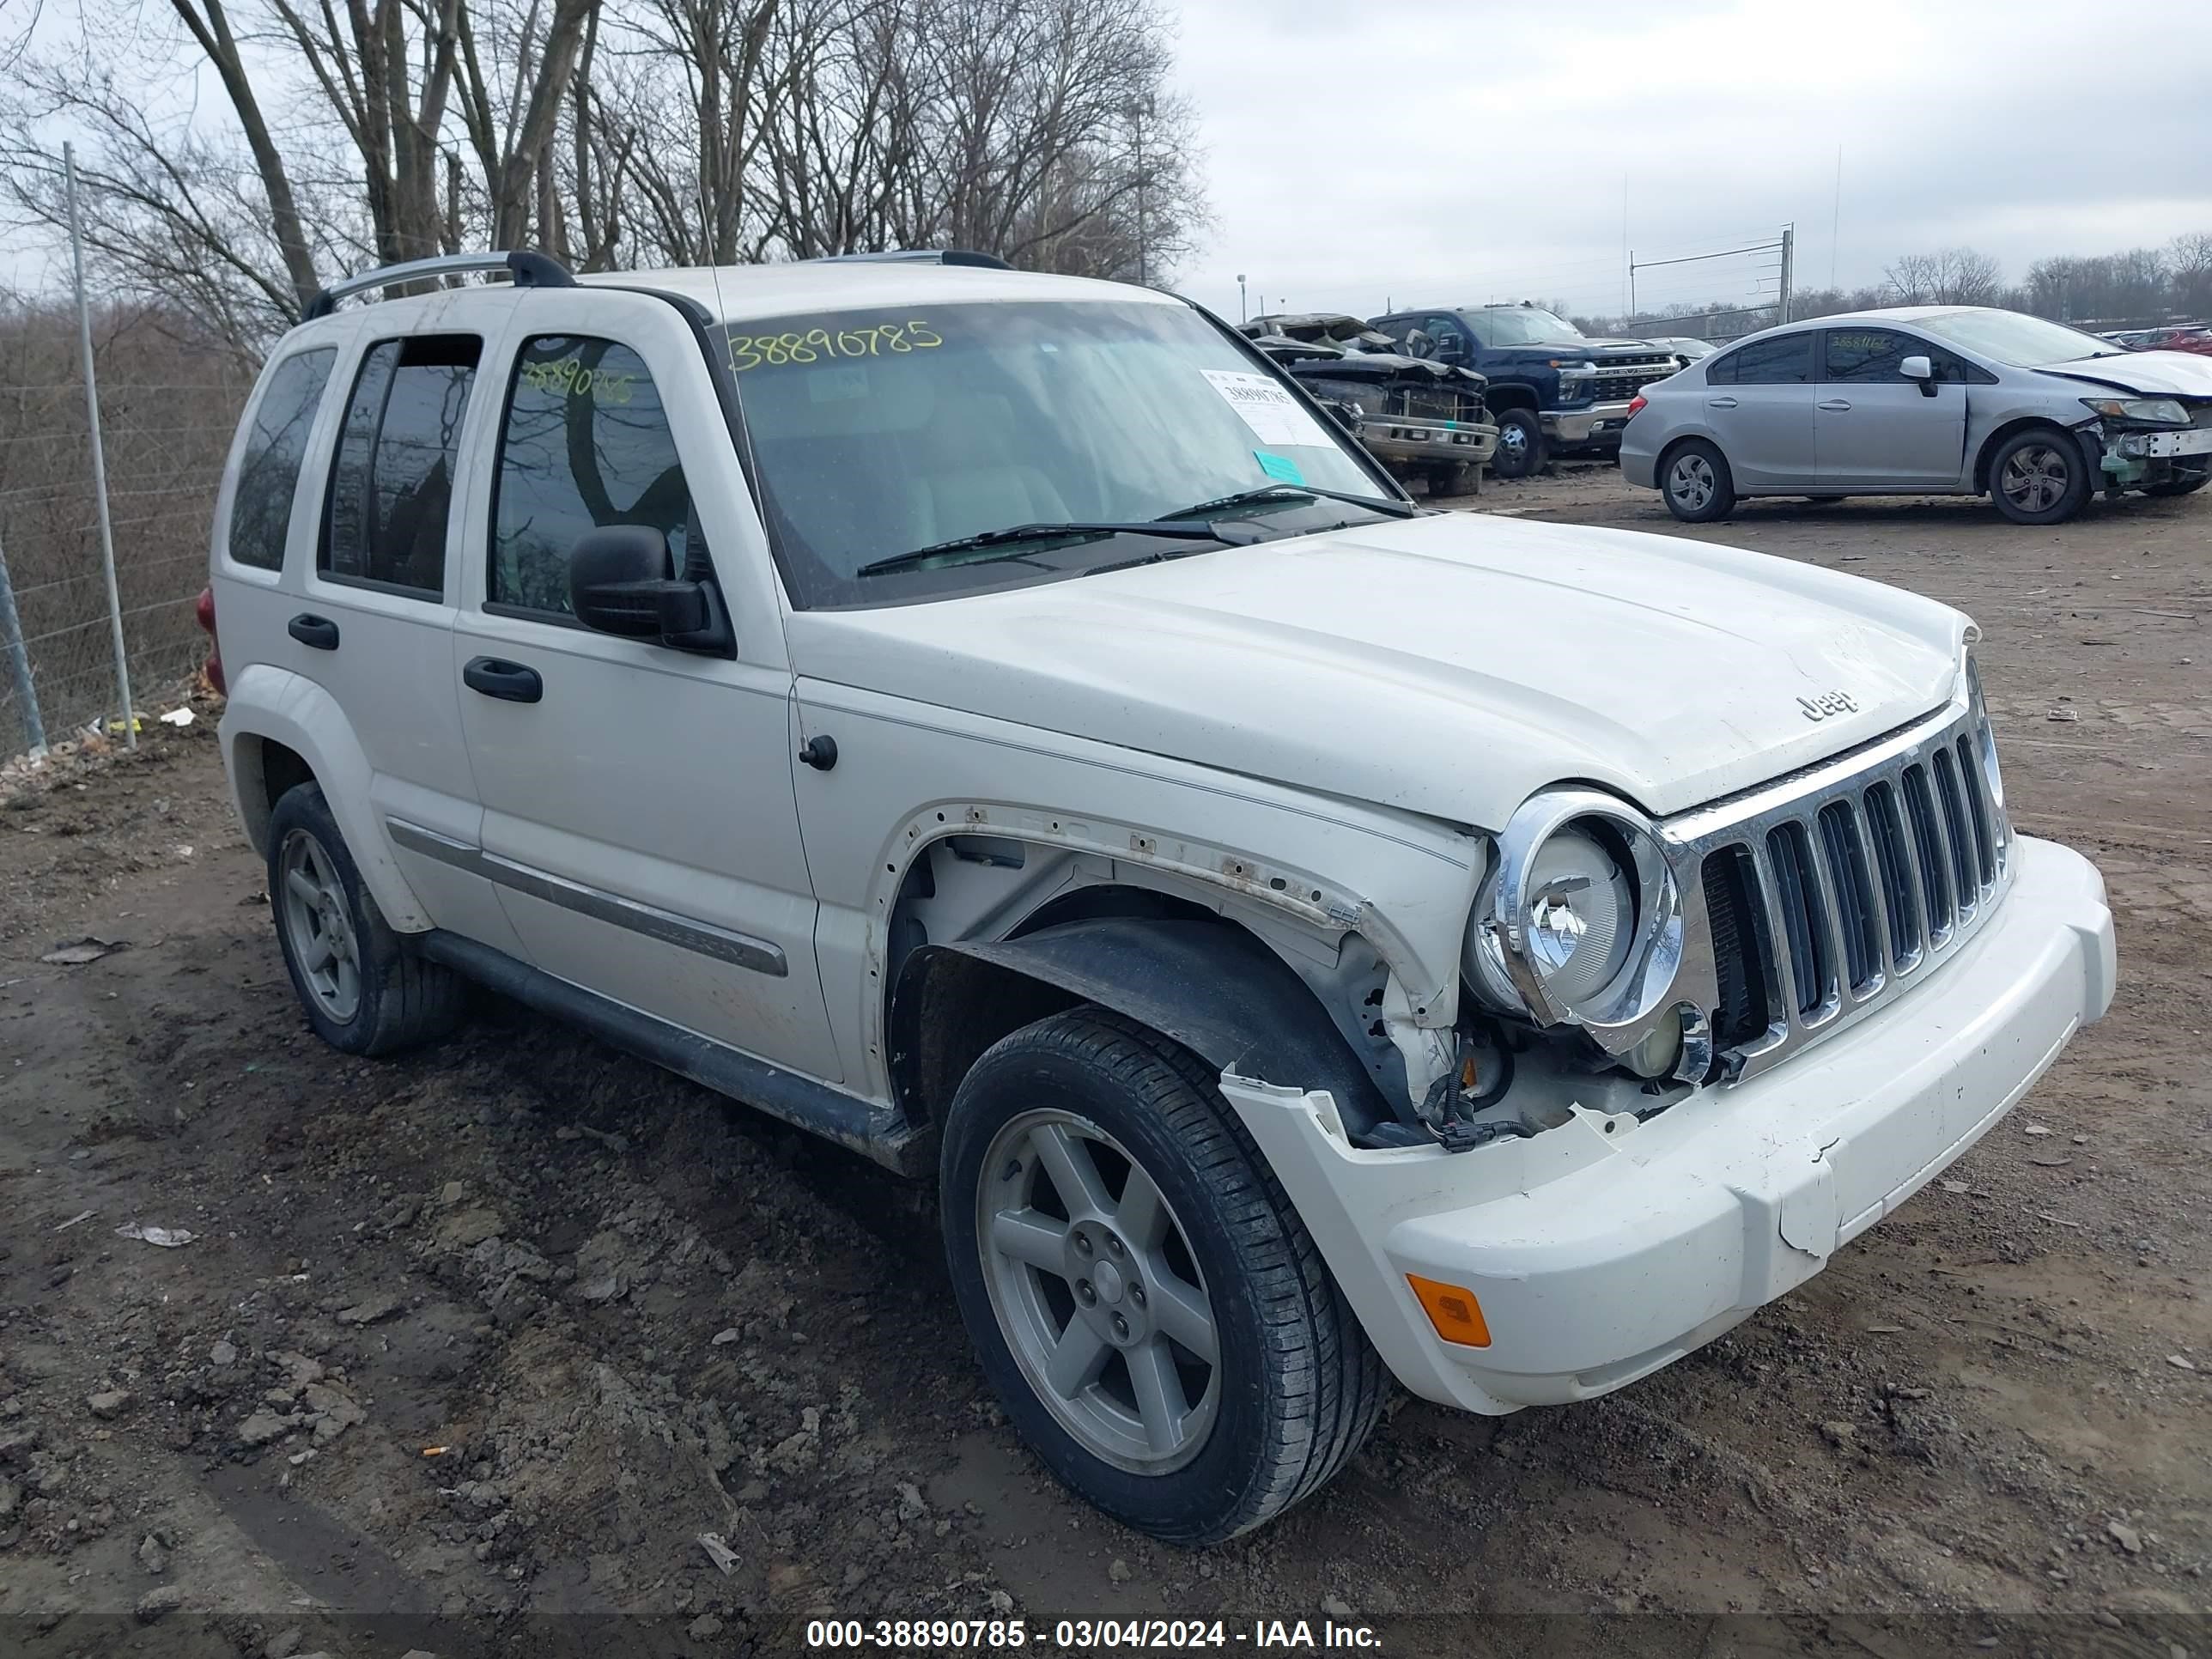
(997, 721)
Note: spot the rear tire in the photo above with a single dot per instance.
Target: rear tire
(365, 990)
(1522, 451)
(2039, 476)
(1090, 1313)
(1696, 481)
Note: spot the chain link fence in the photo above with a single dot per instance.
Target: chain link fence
(168, 409)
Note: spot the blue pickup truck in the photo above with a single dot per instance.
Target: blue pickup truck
(1552, 390)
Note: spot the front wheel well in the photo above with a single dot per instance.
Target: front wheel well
(1496, 397)
(1997, 439)
(1210, 985)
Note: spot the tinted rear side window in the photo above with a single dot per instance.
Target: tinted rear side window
(586, 443)
(1787, 361)
(269, 473)
(391, 484)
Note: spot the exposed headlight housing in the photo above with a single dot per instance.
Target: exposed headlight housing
(1580, 922)
(2157, 412)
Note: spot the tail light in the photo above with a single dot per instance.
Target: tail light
(203, 611)
(1635, 403)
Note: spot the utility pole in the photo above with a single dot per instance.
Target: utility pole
(1242, 313)
(1136, 110)
(1789, 257)
(99, 456)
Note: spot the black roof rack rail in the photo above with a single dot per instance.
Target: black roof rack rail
(529, 270)
(928, 256)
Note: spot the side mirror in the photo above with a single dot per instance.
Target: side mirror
(622, 581)
(1917, 368)
(1449, 349)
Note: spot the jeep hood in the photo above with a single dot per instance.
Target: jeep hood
(2146, 373)
(1447, 665)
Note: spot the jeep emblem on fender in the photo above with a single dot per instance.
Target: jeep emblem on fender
(1827, 704)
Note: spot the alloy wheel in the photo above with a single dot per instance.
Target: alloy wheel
(1095, 1290)
(318, 926)
(2035, 477)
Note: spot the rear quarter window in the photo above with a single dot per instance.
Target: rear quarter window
(276, 446)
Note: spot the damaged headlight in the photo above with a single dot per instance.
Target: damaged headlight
(1580, 921)
(2156, 412)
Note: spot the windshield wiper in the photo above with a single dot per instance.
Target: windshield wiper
(1038, 532)
(1283, 492)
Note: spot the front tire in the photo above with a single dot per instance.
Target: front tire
(1696, 483)
(1144, 1299)
(2039, 477)
(1522, 450)
(364, 990)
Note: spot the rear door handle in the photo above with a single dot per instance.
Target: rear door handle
(496, 677)
(1720, 403)
(321, 632)
(1835, 405)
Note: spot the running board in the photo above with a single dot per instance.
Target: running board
(883, 1136)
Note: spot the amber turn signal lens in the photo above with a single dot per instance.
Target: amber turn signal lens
(1454, 1312)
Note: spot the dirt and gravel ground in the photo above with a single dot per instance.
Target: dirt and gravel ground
(469, 1349)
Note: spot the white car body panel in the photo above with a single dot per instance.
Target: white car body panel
(1449, 666)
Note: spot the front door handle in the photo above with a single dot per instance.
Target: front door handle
(321, 632)
(1720, 403)
(496, 677)
(1835, 405)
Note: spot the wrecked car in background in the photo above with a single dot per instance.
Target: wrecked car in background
(1924, 400)
(1553, 391)
(1421, 419)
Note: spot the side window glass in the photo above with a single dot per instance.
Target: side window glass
(391, 484)
(1786, 361)
(1865, 354)
(586, 443)
(269, 473)
(1451, 339)
(1721, 370)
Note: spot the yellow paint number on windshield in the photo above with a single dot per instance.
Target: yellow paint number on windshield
(820, 345)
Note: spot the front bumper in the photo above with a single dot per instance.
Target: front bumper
(1407, 441)
(1603, 1249)
(1600, 423)
(2161, 446)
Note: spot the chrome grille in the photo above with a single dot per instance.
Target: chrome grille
(1831, 891)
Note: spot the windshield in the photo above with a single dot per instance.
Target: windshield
(1527, 325)
(877, 433)
(2006, 337)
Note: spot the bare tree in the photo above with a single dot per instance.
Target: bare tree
(1950, 277)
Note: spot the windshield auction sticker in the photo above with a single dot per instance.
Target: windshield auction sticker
(1267, 407)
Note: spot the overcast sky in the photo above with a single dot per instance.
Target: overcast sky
(1440, 151)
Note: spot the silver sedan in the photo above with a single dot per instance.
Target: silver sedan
(1924, 400)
